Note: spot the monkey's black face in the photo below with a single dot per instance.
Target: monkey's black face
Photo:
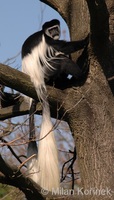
(53, 32)
(52, 29)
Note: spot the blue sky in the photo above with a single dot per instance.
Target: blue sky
(18, 20)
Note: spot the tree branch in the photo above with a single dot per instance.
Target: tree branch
(21, 82)
(59, 6)
(19, 109)
(17, 80)
(99, 19)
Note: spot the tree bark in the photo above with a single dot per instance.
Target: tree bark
(91, 107)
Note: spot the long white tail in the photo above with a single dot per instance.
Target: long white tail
(44, 167)
(47, 154)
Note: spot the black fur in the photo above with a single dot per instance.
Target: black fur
(61, 49)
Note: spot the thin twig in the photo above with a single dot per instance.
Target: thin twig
(72, 160)
(23, 163)
(12, 151)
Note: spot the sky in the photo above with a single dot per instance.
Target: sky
(18, 20)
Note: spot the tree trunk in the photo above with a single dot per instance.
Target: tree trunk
(91, 107)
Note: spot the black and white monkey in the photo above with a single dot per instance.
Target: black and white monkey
(45, 57)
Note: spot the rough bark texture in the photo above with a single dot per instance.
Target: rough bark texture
(89, 108)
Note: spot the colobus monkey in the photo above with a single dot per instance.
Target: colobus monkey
(45, 57)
